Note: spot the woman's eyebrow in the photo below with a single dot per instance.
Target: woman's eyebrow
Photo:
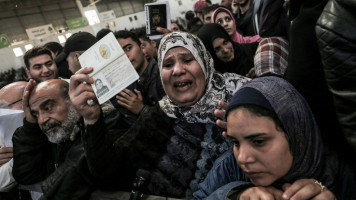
(254, 135)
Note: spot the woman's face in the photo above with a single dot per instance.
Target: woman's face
(224, 19)
(260, 148)
(223, 49)
(182, 76)
(98, 85)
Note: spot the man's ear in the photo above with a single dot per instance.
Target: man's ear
(153, 42)
(76, 58)
(28, 73)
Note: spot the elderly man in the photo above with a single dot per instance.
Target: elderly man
(40, 65)
(48, 147)
(10, 98)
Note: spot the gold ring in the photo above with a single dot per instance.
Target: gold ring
(321, 185)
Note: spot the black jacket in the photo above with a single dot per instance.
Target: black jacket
(336, 34)
(272, 19)
(62, 168)
(150, 86)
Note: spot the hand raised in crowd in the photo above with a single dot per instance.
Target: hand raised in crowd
(234, 6)
(5, 155)
(80, 92)
(221, 114)
(261, 193)
(130, 100)
(307, 189)
(164, 31)
(25, 101)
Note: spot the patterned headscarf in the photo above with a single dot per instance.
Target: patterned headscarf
(297, 120)
(271, 56)
(218, 86)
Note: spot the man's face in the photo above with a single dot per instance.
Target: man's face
(73, 62)
(55, 115)
(241, 2)
(42, 68)
(175, 27)
(149, 49)
(134, 53)
(11, 95)
(207, 17)
(226, 3)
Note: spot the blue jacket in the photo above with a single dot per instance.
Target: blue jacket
(222, 178)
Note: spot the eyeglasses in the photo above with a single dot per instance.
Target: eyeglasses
(11, 104)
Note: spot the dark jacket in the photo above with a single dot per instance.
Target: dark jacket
(306, 72)
(227, 179)
(168, 148)
(61, 167)
(150, 86)
(272, 19)
(335, 31)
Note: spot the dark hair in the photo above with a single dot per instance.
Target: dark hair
(98, 80)
(127, 34)
(34, 52)
(55, 47)
(179, 26)
(142, 35)
(189, 15)
(103, 32)
(262, 112)
(209, 9)
(194, 22)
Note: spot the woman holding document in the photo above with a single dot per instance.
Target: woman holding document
(176, 140)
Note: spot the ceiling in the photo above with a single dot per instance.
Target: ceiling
(15, 4)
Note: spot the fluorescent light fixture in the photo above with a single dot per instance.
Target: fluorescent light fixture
(68, 35)
(28, 47)
(18, 51)
(61, 39)
(92, 17)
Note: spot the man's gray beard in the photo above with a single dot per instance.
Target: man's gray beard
(66, 130)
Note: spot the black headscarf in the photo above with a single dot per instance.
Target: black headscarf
(244, 53)
(279, 96)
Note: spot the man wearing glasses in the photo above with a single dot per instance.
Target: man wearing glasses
(40, 65)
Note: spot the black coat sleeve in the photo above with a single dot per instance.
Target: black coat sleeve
(32, 154)
(115, 154)
(273, 19)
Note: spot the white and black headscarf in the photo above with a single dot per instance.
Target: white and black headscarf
(218, 86)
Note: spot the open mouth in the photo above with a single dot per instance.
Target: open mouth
(181, 85)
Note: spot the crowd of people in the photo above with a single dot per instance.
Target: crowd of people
(242, 103)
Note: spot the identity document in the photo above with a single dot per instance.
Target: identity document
(10, 120)
(157, 14)
(113, 70)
